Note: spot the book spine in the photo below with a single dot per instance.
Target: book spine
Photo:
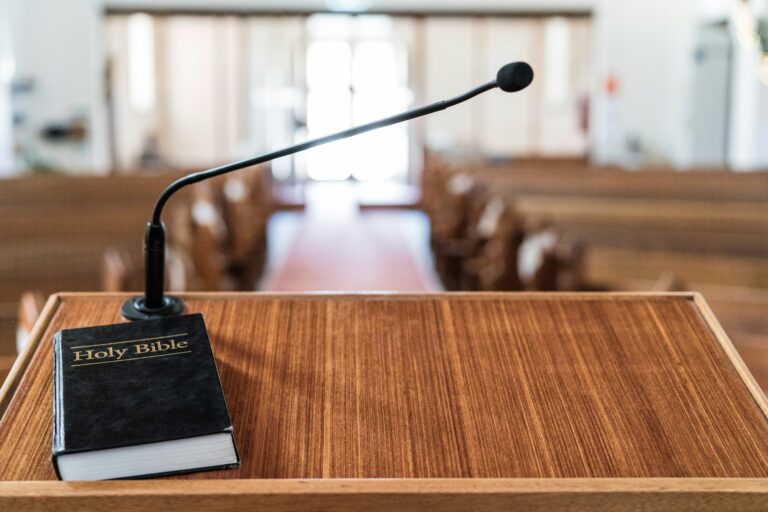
(58, 398)
(58, 418)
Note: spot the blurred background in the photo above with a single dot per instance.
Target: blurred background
(635, 161)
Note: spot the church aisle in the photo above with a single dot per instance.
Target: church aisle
(333, 246)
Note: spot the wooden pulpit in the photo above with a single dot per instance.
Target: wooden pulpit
(483, 401)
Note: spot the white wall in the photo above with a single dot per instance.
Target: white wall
(58, 45)
(403, 5)
(646, 45)
(648, 48)
(749, 109)
(448, 72)
(506, 122)
(204, 129)
(542, 120)
(7, 164)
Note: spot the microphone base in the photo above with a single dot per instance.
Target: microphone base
(134, 308)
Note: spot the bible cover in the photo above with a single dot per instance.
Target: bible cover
(138, 383)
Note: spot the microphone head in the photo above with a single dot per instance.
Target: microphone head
(514, 77)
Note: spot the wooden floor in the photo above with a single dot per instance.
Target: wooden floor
(334, 246)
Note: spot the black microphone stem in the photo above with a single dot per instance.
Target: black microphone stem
(154, 304)
(154, 240)
(356, 130)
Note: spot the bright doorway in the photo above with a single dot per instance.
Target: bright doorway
(356, 71)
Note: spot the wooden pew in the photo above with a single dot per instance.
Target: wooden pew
(480, 242)
(216, 238)
(553, 178)
(497, 235)
(246, 204)
(30, 307)
(56, 229)
(708, 227)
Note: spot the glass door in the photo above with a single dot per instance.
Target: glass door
(352, 80)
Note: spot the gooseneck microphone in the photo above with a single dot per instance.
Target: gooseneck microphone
(155, 304)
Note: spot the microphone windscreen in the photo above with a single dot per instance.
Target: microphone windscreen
(514, 77)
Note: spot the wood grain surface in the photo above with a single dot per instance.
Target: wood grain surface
(444, 495)
(448, 386)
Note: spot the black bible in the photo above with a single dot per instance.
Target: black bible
(138, 399)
